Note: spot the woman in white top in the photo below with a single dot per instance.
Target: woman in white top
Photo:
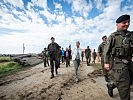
(76, 57)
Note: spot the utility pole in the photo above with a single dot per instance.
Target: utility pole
(23, 48)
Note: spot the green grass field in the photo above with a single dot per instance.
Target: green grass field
(96, 65)
(8, 66)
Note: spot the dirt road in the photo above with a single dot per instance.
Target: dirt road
(35, 84)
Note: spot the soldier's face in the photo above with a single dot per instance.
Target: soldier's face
(123, 25)
(52, 40)
(104, 39)
(77, 44)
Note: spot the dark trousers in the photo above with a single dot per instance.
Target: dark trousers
(54, 62)
(94, 58)
(67, 61)
(122, 73)
(88, 59)
(62, 59)
(45, 61)
(82, 59)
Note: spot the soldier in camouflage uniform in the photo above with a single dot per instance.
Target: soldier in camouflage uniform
(94, 55)
(101, 57)
(120, 46)
(88, 55)
(45, 57)
(53, 49)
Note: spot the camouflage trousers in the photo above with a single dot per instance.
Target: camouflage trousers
(45, 61)
(122, 74)
(105, 72)
(54, 62)
(88, 59)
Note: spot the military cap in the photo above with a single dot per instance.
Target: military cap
(104, 37)
(52, 38)
(123, 18)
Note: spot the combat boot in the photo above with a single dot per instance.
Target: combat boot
(56, 71)
(52, 76)
(110, 89)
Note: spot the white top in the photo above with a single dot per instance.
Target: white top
(75, 52)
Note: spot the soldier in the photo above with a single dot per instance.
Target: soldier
(53, 49)
(88, 55)
(45, 57)
(120, 46)
(101, 57)
(82, 55)
(94, 55)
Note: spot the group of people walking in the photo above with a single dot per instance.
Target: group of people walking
(115, 54)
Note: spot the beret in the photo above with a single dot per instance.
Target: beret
(123, 18)
(104, 37)
(52, 38)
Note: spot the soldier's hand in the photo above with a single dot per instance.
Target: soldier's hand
(107, 66)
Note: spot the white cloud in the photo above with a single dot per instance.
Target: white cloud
(15, 3)
(99, 4)
(58, 6)
(41, 3)
(82, 7)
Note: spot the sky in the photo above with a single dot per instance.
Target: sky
(34, 22)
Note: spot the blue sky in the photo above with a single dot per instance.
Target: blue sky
(34, 22)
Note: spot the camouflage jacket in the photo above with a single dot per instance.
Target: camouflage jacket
(53, 49)
(117, 47)
(101, 49)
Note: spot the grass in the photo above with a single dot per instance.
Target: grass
(96, 65)
(4, 59)
(8, 66)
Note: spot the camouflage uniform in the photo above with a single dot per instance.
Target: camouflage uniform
(45, 58)
(53, 49)
(101, 52)
(120, 47)
(82, 55)
(88, 55)
(94, 55)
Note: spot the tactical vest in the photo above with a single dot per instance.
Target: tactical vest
(122, 45)
(102, 49)
(53, 48)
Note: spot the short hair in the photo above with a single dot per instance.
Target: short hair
(52, 38)
(78, 42)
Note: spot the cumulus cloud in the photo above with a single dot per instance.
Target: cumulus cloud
(15, 3)
(82, 7)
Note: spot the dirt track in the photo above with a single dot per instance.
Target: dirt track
(35, 84)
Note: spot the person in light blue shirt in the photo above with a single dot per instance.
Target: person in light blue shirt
(76, 57)
(62, 55)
